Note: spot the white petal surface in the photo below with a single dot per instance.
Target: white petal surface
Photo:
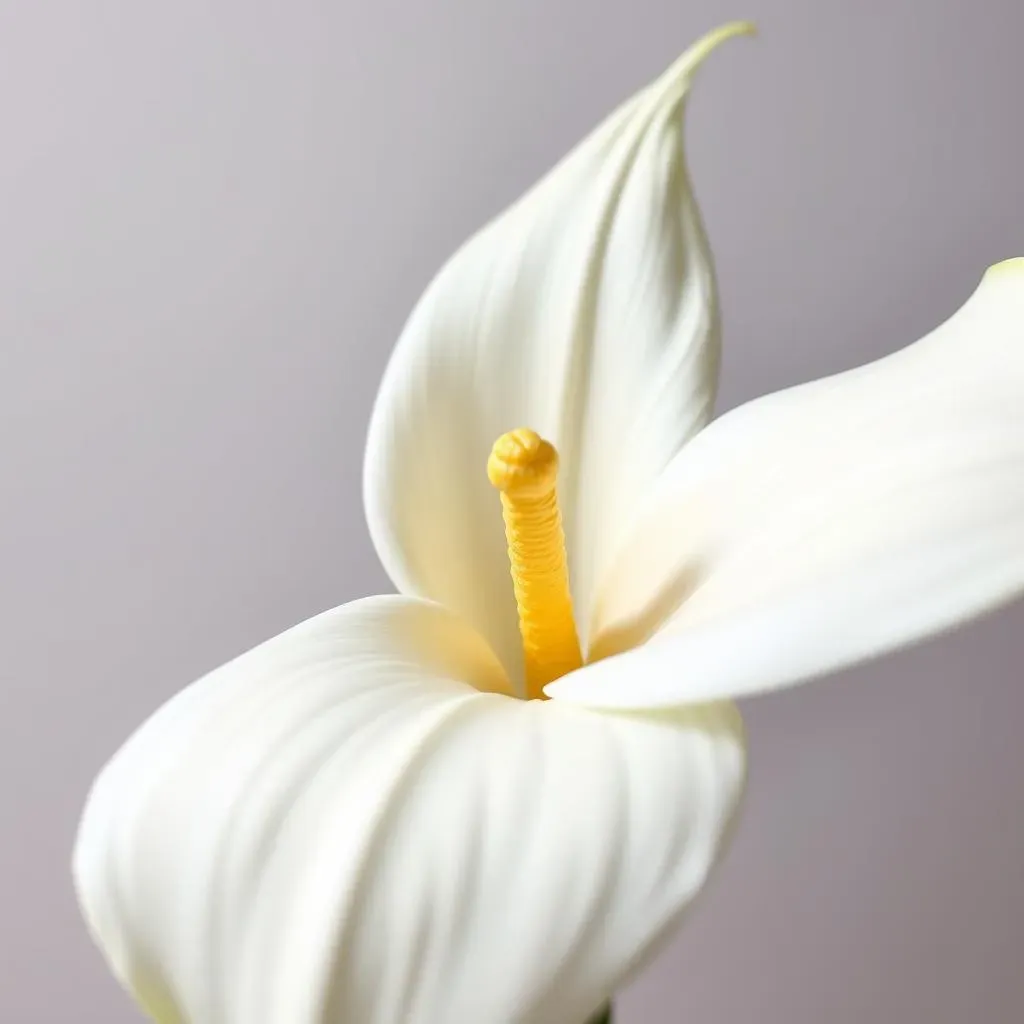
(829, 523)
(586, 312)
(336, 827)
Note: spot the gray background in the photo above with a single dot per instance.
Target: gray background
(215, 218)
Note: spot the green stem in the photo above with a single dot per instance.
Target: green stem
(604, 1017)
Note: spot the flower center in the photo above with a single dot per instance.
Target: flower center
(524, 468)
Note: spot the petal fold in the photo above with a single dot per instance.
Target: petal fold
(587, 312)
(339, 826)
(828, 523)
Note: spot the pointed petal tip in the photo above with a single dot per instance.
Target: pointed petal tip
(680, 70)
(700, 50)
(1013, 266)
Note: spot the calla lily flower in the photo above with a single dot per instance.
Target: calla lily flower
(375, 817)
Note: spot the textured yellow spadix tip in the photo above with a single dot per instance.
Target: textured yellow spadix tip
(523, 463)
(524, 468)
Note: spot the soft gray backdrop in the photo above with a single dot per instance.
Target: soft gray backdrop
(215, 217)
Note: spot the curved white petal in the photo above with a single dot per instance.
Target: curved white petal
(829, 523)
(587, 312)
(338, 827)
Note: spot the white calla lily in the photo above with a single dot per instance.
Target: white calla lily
(359, 821)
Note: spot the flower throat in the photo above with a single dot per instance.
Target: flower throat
(524, 468)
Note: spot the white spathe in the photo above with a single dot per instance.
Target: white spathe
(587, 312)
(828, 523)
(358, 823)
(339, 827)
